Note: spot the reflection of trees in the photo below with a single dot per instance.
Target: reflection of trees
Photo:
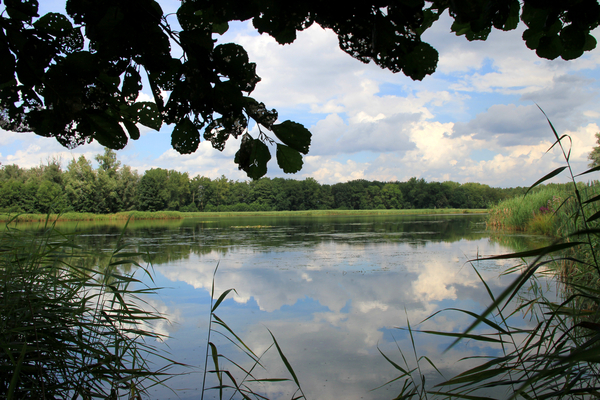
(517, 242)
(164, 241)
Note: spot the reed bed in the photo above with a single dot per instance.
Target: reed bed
(75, 216)
(541, 211)
(69, 331)
(140, 215)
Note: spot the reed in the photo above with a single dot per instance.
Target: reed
(68, 331)
(75, 216)
(232, 377)
(139, 215)
(537, 212)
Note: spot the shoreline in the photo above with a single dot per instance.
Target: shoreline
(148, 215)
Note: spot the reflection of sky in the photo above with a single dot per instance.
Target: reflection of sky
(330, 305)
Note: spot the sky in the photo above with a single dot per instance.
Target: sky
(476, 119)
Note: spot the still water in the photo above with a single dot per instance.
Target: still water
(333, 290)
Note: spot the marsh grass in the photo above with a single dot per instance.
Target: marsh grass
(76, 216)
(143, 215)
(558, 354)
(539, 212)
(68, 331)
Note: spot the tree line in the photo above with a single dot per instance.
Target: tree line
(112, 187)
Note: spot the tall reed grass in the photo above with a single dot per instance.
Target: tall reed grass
(558, 356)
(537, 212)
(76, 216)
(139, 215)
(68, 331)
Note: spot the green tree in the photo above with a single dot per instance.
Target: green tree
(80, 185)
(201, 191)
(107, 194)
(77, 76)
(392, 196)
(50, 198)
(594, 156)
(152, 192)
(108, 162)
(178, 186)
(262, 194)
(127, 181)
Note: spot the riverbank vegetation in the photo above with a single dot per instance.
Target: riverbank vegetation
(143, 215)
(550, 210)
(112, 188)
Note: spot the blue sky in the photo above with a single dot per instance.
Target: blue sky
(474, 120)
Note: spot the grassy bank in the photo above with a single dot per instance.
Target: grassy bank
(540, 212)
(138, 215)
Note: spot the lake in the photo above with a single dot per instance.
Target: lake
(332, 290)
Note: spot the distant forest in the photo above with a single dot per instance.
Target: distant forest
(112, 188)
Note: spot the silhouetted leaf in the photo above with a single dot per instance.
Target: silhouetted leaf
(252, 157)
(545, 178)
(589, 171)
(185, 138)
(107, 130)
(294, 135)
(132, 129)
(288, 159)
(147, 114)
(55, 24)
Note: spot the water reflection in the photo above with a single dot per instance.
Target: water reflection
(332, 290)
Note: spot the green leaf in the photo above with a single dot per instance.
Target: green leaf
(147, 114)
(132, 129)
(185, 138)
(479, 338)
(107, 130)
(594, 217)
(221, 298)
(252, 157)
(288, 159)
(545, 178)
(294, 135)
(285, 360)
(54, 24)
(532, 253)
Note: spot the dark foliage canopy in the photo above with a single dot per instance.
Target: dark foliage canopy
(76, 76)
